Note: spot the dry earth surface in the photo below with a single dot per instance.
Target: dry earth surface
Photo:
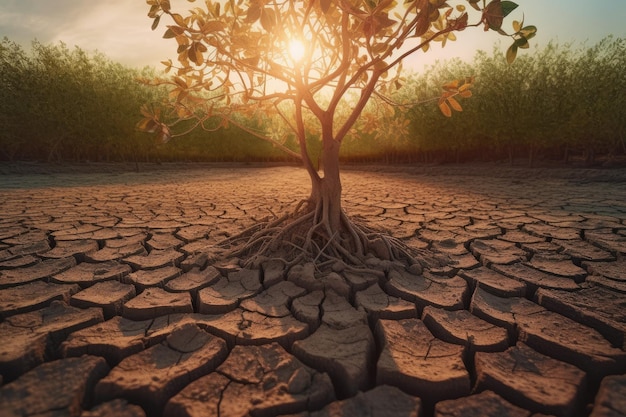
(111, 302)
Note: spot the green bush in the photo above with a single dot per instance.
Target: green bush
(548, 104)
(64, 104)
(59, 104)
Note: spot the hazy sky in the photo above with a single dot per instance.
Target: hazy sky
(121, 29)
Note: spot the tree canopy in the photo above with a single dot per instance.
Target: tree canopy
(316, 64)
(310, 58)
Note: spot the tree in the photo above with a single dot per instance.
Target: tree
(597, 97)
(315, 64)
(78, 105)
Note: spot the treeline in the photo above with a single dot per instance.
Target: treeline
(559, 102)
(62, 104)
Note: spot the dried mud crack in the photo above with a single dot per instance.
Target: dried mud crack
(119, 297)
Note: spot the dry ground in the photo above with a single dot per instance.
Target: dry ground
(111, 302)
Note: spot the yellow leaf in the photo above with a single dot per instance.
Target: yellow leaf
(466, 93)
(154, 11)
(149, 126)
(182, 95)
(268, 19)
(379, 47)
(452, 85)
(380, 65)
(183, 113)
(180, 82)
(511, 53)
(454, 104)
(445, 109)
(254, 13)
(193, 54)
(146, 112)
(464, 87)
(213, 26)
(178, 19)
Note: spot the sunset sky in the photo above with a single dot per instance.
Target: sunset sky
(121, 30)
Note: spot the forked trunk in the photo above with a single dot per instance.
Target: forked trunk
(322, 233)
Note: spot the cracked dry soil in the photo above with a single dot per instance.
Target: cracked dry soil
(111, 302)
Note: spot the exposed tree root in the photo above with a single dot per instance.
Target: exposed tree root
(307, 236)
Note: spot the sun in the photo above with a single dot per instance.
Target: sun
(296, 50)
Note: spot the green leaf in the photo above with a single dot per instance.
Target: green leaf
(508, 7)
(521, 43)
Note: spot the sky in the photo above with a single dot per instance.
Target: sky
(121, 29)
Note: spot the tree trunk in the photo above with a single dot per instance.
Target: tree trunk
(330, 184)
(326, 190)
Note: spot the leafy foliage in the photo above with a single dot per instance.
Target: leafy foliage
(234, 64)
(558, 100)
(561, 100)
(58, 102)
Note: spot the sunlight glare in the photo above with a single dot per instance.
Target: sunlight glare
(296, 50)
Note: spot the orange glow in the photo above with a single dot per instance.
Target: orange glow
(296, 50)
